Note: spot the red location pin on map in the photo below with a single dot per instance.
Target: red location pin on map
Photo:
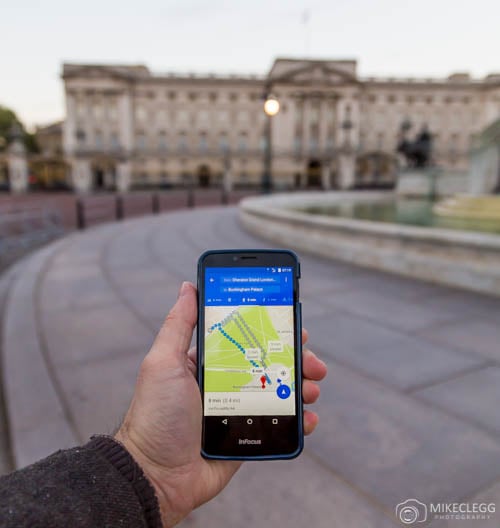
(263, 381)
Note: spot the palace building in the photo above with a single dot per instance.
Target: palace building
(126, 127)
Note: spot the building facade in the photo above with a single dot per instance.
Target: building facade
(126, 127)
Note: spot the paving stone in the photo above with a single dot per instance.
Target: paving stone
(474, 396)
(153, 302)
(481, 336)
(94, 333)
(396, 359)
(393, 447)
(98, 391)
(490, 495)
(473, 304)
(76, 291)
(389, 311)
(297, 494)
(340, 335)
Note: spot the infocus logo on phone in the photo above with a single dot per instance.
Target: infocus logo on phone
(247, 441)
(412, 511)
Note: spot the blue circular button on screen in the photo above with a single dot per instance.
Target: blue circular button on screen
(283, 392)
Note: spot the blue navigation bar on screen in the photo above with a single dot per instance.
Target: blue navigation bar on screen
(252, 286)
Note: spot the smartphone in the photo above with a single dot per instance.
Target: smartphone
(250, 354)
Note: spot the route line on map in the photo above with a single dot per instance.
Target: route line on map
(238, 345)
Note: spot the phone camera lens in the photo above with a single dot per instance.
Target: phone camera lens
(235, 259)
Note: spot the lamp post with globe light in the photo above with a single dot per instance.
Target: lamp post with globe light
(271, 108)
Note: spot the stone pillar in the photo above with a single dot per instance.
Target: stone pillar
(126, 121)
(69, 124)
(326, 181)
(81, 175)
(124, 176)
(18, 167)
(227, 179)
(346, 169)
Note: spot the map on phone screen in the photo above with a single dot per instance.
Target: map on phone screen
(249, 342)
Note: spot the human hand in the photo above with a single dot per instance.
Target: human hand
(162, 427)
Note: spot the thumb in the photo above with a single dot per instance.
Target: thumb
(174, 337)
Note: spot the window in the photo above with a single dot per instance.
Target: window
(115, 141)
(162, 141)
(223, 116)
(202, 143)
(223, 143)
(243, 116)
(233, 97)
(80, 109)
(315, 114)
(299, 108)
(182, 142)
(380, 141)
(98, 139)
(212, 96)
(172, 96)
(140, 141)
(242, 142)
(80, 137)
(315, 131)
(330, 143)
(112, 111)
(192, 96)
(391, 98)
(297, 145)
(313, 144)
(97, 111)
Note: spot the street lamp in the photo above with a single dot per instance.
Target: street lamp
(271, 108)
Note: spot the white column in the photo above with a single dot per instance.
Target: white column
(306, 126)
(346, 169)
(227, 179)
(81, 175)
(18, 167)
(124, 176)
(126, 121)
(323, 124)
(69, 125)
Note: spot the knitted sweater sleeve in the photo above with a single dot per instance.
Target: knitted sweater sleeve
(97, 485)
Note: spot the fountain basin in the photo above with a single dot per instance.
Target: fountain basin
(464, 259)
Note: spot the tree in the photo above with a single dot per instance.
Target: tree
(7, 119)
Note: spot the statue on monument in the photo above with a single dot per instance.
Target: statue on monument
(417, 152)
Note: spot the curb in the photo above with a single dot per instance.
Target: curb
(35, 414)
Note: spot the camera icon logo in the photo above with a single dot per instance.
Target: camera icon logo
(411, 511)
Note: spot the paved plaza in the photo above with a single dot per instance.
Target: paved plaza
(409, 410)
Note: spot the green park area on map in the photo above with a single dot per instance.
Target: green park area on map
(227, 365)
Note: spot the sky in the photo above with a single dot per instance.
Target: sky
(398, 38)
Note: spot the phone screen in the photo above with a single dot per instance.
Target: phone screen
(249, 342)
(249, 354)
